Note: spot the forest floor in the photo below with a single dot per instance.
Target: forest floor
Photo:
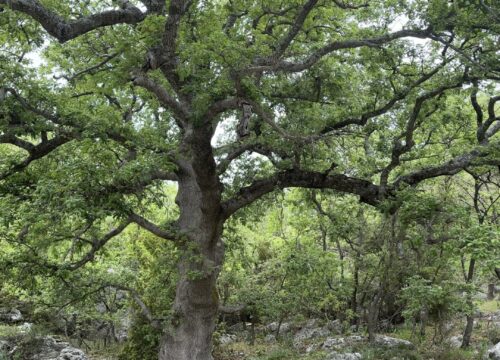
(438, 343)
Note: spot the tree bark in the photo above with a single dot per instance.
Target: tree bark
(491, 292)
(470, 318)
(194, 313)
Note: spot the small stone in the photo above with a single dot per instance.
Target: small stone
(226, 339)
(388, 341)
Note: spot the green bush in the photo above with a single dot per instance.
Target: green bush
(143, 342)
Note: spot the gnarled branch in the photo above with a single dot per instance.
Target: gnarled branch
(368, 192)
(64, 30)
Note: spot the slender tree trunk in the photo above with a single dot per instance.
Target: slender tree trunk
(189, 334)
(373, 313)
(491, 292)
(470, 318)
(354, 295)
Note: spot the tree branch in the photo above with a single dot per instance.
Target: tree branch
(368, 192)
(97, 244)
(64, 30)
(145, 311)
(450, 167)
(170, 234)
(294, 30)
(181, 113)
(312, 59)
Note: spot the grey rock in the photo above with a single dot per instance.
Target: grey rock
(455, 341)
(226, 339)
(284, 328)
(340, 342)
(493, 353)
(335, 327)
(311, 323)
(10, 315)
(270, 338)
(388, 341)
(355, 338)
(71, 353)
(308, 333)
(334, 343)
(51, 348)
(311, 348)
(25, 327)
(346, 356)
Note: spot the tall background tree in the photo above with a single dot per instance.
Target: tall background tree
(232, 100)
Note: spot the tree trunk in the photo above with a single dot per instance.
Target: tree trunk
(491, 292)
(373, 313)
(470, 318)
(194, 313)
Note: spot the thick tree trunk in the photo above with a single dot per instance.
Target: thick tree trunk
(194, 319)
(194, 313)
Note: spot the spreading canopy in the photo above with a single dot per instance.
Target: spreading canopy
(348, 96)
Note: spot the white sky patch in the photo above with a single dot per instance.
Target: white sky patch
(35, 57)
(399, 24)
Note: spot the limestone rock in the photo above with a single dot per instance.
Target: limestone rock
(270, 338)
(284, 328)
(71, 353)
(388, 341)
(346, 356)
(332, 343)
(307, 333)
(226, 339)
(10, 315)
(455, 341)
(493, 353)
(335, 327)
(49, 348)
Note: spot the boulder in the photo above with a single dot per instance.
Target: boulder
(455, 341)
(273, 327)
(341, 342)
(345, 356)
(47, 348)
(493, 353)
(10, 315)
(390, 342)
(25, 327)
(311, 324)
(4, 346)
(335, 327)
(309, 333)
(71, 353)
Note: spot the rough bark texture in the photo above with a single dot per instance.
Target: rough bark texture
(189, 336)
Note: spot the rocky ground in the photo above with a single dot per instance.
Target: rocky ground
(313, 339)
(329, 340)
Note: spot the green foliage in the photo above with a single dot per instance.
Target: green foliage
(142, 342)
(441, 300)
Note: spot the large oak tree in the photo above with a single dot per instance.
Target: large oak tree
(232, 100)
